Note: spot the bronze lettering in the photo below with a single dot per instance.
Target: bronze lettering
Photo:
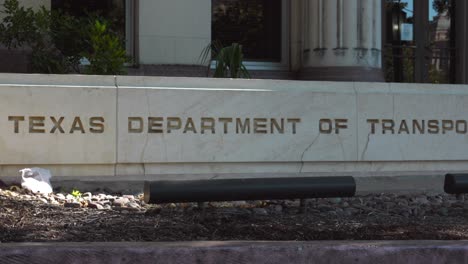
(155, 124)
(403, 127)
(225, 121)
(77, 125)
(325, 126)
(461, 127)
(57, 124)
(433, 126)
(36, 124)
(279, 127)
(293, 122)
(373, 122)
(132, 121)
(207, 123)
(96, 124)
(260, 126)
(447, 125)
(420, 126)
(388, 125)
(16, 120)
(243, 127)
(340, 124)
(173, 123)
(190, 126)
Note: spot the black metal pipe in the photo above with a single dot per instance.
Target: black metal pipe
(249, 189)
(456, 183)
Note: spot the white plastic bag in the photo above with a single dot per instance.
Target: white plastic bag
(36, 180)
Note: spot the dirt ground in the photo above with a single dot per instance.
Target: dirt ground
(33, 221)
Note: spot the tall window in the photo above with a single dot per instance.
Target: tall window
(420, 41)
(255, 24)
(441, 41)
(400, 45)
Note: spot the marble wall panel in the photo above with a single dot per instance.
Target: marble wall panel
(51, 123)
(412, 122)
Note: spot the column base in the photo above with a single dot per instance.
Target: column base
(342, 74)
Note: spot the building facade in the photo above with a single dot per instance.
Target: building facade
(338, 40)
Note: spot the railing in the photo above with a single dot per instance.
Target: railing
(249, 189)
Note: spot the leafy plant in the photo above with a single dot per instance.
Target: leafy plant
(25, 27)
(76, 193)
(106, 54)
(58, 41)
(18, 26)
(229, 60)
(69, 35)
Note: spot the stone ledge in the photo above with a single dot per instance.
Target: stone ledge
(239, 252)
(133, 125)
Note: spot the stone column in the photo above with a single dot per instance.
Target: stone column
(342, 40)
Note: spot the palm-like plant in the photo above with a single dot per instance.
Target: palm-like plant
(229, 60)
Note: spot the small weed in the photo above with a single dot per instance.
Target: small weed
(76, 193)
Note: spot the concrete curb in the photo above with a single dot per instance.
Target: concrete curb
(381, 252)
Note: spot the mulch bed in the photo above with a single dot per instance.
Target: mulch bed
(34, 221)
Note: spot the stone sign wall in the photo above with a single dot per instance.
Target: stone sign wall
(95, 125)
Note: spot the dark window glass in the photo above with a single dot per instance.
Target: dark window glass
(440, 41)
(255, 24)
(419, 46)
(400, 43)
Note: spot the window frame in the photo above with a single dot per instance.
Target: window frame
(421, 22)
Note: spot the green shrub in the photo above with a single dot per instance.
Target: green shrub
(106, 55)
(58, 41)
(24, 27)
(19, 25)
(229, 60)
